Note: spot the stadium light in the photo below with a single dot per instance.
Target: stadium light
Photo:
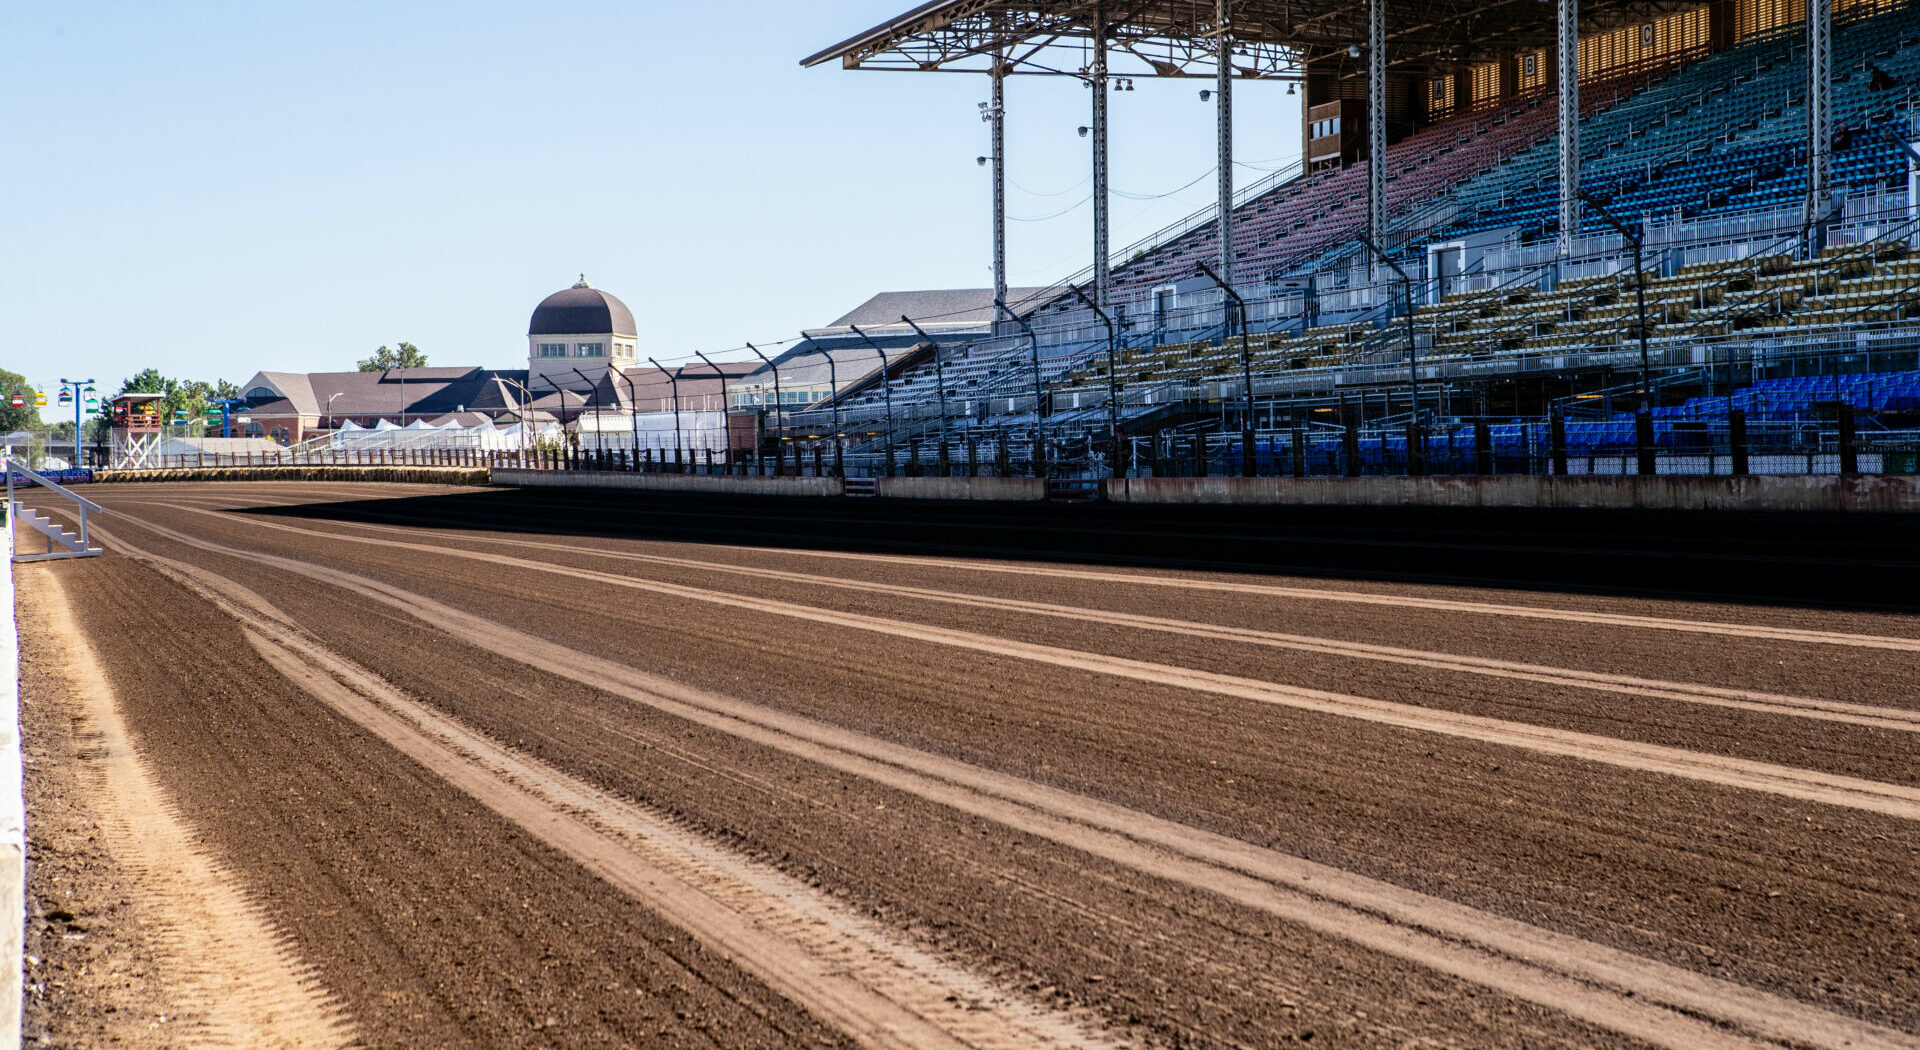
(1083, 131)
(982, 161)
(1206, 94)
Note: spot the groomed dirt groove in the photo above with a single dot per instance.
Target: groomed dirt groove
(1809, 904)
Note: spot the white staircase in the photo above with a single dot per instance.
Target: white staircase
(69, 543)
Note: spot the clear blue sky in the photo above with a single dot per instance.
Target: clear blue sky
(216, 188)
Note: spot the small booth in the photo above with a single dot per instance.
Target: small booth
(137, 430)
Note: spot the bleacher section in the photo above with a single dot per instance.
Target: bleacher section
(1721, 136)
(1725, 134)
(1847, 284)
(1297, 219)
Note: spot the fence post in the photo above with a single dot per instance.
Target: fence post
(818, 462)
(1200, 455)
(1299, 440)
(1559, 439)
(1416, 451)
(1483, 461)
(1737, 440)
(1350, 444)
(1849, 448)
(973, 455)
(1643, 440)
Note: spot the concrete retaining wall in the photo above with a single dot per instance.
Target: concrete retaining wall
(962, 488)
(13, 810)
(1816, 493)
(398, 474)
(743, 485)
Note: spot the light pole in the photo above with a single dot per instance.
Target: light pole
(721, 375)
(1238, 306)
(633, 413)
(598, 443)
(1406, 284)
(886, 391)
(1639, 293)
(674, 381)
(839, 429)
(1039, 390)
(335, 394)
(79, 388)
(526, 416)
(940, 380)
(1113, 377)
(778, 452)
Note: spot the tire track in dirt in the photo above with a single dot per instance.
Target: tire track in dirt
(1891, 718)
(1646, 999)
(847, 970)
(1872, 796)
(236, 980)
(1497, 609)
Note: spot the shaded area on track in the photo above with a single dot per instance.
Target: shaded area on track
(1831, 561)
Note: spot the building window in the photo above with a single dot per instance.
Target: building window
(553, 349)
(590, 349)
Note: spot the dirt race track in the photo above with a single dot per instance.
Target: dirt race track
(502, 768)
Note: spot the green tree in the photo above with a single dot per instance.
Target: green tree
(11, 418)
(191, 396)
(407, 356)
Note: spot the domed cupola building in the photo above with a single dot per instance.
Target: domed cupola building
(579, 328)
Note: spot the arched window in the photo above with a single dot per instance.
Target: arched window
(262, 393)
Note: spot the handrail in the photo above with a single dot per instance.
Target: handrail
(12, 466)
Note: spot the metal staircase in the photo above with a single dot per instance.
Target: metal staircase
(69, 543)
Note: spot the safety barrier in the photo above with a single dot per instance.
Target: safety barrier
(13, 813)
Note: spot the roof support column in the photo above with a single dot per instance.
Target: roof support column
(997, 117)
(1819, 108)
(1098, 84)
(1224, 91)
(1377, 120)
(1569, 68)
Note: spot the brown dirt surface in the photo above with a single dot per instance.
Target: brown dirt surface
(134, 937)
(1194, 865)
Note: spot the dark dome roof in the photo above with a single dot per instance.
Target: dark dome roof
(581, 310)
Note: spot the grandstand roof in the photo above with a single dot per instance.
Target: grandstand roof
(948, 309)
(1173, 37)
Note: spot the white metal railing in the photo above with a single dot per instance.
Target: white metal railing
(72, 546)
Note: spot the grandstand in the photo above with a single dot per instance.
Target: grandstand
(1761, 164)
